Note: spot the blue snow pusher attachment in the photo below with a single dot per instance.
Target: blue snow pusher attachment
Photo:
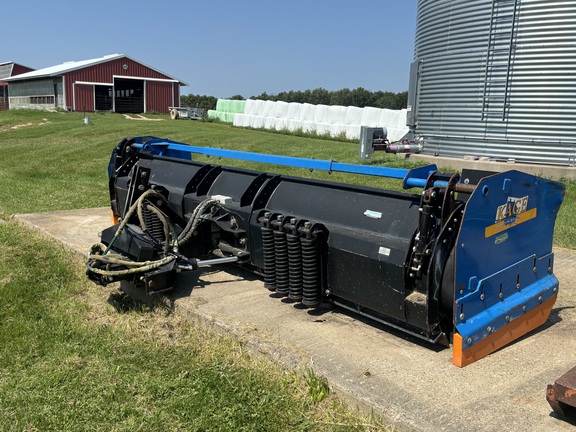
(466, 261)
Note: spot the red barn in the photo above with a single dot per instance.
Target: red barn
(8, 69)
(110, 83)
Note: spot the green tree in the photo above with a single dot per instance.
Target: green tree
(198, 101)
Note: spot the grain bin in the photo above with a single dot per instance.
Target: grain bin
(494, 78)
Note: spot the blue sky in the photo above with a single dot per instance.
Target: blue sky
(226, 47)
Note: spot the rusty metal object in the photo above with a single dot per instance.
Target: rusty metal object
(562, 395)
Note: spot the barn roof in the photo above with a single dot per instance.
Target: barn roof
(75, 65)
(7, 67)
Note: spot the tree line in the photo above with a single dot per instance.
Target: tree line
(359, 97)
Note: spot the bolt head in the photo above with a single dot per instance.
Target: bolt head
(482, 296)
(524, 308)
(469, 341)
(500, 296)
(489, 329)
(539, 299)
(462, 316)
(507, 318)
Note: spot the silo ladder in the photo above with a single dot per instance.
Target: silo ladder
(499, 59)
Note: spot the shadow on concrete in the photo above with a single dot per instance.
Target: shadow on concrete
(568, 420)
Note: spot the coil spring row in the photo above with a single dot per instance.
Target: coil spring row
(269, 258)
(155, 227)
(282, 265)
(295, 265)
(291, 264)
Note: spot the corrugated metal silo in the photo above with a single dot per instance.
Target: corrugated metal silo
(496, 78)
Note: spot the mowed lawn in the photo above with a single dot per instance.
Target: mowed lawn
(76, 357)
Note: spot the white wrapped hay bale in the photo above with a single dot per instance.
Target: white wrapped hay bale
(268, 109)
(338, 129)
(353, 115)
(323, 128)
(294, 110)
(257, 122)
(281, 109)
(270, 123)
(308, 126)
(353, 132)
(281, 124)
(250, 107)
(370, 117)
(386, 118)
(396, 134)
(395, 122)
(320, 113)
(307, 112)
(335, 114)
(294, 125)
(241, 120)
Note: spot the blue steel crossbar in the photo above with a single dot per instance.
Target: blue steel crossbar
(167, 148)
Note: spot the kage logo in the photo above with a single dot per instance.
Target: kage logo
(509, 215)
(509, 212)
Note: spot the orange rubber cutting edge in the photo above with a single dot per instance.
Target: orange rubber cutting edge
(517, 328)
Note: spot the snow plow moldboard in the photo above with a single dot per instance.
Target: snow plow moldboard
(467, 260)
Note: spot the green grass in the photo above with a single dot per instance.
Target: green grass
(71, 361)
(60, 163)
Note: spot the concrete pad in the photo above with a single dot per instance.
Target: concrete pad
(413, 385)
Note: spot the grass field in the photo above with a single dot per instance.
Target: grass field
(69, 360)
(75, 357)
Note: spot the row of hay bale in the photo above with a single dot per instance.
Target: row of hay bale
(226, 109)
(334, 120)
